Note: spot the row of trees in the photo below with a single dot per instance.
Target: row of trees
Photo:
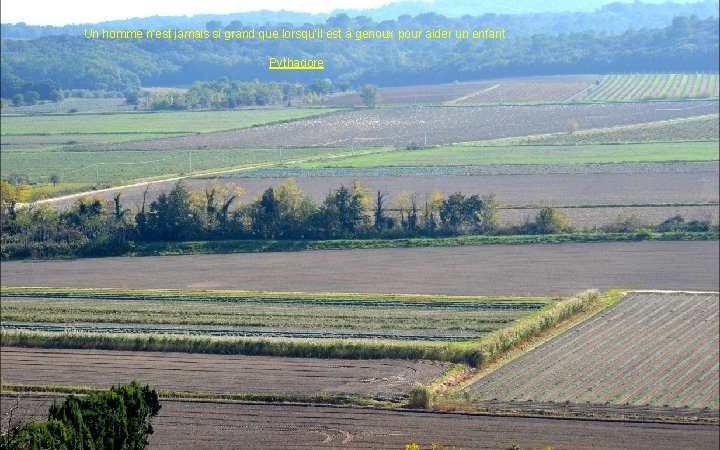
(286, 212)
(226, 94)
(116, 419)
(23, 92)
(93, 226)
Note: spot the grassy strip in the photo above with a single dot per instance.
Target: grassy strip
(324, 399)
(156, 121)
(261, 246)
(468, 155)
(473, 353)
(179, 294)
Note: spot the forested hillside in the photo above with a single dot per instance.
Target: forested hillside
(74, 62)
(526, 17)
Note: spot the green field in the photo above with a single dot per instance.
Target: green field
(150, 122)
(73, 142)
(78, 147)
(577, 154)
(119, 167)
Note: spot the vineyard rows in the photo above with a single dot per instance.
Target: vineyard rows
(691, 129)
(654, 87)
(657, 349)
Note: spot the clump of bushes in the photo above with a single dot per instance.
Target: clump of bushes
(678, 223)
(420, 397)
(116, 419)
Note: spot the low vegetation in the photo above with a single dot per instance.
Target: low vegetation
(647, 86)
(407, 317)
(483, 154)
(114, 419)
(473, 352)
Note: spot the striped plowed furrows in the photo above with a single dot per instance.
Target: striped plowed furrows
(205, 425)
(654, 86)
(652, 349)
(214, 373)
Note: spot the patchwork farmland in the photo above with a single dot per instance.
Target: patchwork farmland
(656, 349)
(263, 314)
(297, 333)
(550, 89)
(431, 125)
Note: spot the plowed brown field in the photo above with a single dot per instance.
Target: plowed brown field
(193, 372)
(528, 189)
(211, 425)
(522, 270)
(652, 349)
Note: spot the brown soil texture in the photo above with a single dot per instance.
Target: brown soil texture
(191, 372)
(430, 125)
(547, 88)
(607, 410)
(515, 270)
(212, 425)
(511, 190)
(652, 349)
(412, 94)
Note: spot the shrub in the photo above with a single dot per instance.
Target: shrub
(678, 223)
(550, 221)
(419, 397)
(118, 419)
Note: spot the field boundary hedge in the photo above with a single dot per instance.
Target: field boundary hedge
(262, 246)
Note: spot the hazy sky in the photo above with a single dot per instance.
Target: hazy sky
(63, 12)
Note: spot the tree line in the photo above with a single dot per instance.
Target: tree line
(97, 227)
(224, 93)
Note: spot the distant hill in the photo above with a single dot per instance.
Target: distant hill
(459, 8)
(687, 44)
(526, 16)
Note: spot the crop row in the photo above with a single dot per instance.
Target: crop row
(524, 305)
(316, 342)
(652, 349)
(655, 87)
(267, 316)
(690, 129)
(64, 328)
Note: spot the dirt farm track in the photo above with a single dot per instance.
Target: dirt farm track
(539, 269)
(185, 425)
